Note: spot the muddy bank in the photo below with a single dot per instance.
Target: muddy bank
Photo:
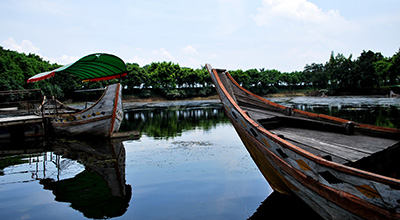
(176, 103)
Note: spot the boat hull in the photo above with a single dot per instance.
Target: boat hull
(334, 191)
(274, 171)
(101, 119)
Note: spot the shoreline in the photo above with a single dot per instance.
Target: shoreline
(132, 98)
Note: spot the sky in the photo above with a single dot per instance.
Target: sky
(231, 34)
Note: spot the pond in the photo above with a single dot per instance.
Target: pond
(188, 163)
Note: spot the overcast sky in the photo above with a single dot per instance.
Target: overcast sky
(232, 34)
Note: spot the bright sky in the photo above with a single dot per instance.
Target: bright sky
(232, 34)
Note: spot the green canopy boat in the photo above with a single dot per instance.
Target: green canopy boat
(101, 119)
(93, 67)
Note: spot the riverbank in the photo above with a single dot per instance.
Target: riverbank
(131, 98)
(306, 93)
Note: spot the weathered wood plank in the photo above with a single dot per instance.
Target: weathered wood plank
(126, 135)
(328, 148)
(16, 120)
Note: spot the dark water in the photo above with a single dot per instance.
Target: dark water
(187, 164)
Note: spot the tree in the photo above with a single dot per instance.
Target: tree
(394, 69)
(315, 75)
(137, 77)
(241, 77)
(382, 70)
(364, 70)
(192, 77)
(340, 71)
(164, 75)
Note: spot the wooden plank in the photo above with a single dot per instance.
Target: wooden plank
(17, 120)
(324, 147)
(257, 114)
(350, 148)
(126, 135)
(9, 109)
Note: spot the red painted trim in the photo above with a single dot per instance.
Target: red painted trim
(114, 112)
(36, 79)
(106, 78)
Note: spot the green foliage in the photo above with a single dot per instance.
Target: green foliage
(16, 68)
(394, 69)
(173, 81)
(369, 71)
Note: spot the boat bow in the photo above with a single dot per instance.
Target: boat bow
(319, 158)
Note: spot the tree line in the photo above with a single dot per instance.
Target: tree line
(369, 72)
(340, 75)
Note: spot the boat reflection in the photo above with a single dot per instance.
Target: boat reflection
(90, 175)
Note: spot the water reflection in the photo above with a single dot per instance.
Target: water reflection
(170, 122)
(89, 175)
(189, 164)
(369, 110)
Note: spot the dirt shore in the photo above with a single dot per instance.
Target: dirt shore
(129, 99)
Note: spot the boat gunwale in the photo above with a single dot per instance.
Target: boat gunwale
(92, 106)
(66, 115)
(319, 160)
(74, 123)
(315, 115)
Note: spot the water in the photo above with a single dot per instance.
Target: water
(188, 163)
(378, 111)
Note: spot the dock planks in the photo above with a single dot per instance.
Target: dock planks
(20, 120)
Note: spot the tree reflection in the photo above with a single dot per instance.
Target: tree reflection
(386, 116)
(165, 123)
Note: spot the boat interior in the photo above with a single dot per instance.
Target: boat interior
(51, 106)
(343, 143)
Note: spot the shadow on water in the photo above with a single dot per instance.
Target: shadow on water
(280, 206)
(89, 175)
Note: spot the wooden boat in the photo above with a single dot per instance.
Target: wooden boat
(393, 95)
(101, 119)
(341, 169)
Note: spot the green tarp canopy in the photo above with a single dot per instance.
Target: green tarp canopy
(93, 67)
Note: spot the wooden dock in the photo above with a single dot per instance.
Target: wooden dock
(128, 135)
(33, 125)
(20, 127)
(20, 120)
